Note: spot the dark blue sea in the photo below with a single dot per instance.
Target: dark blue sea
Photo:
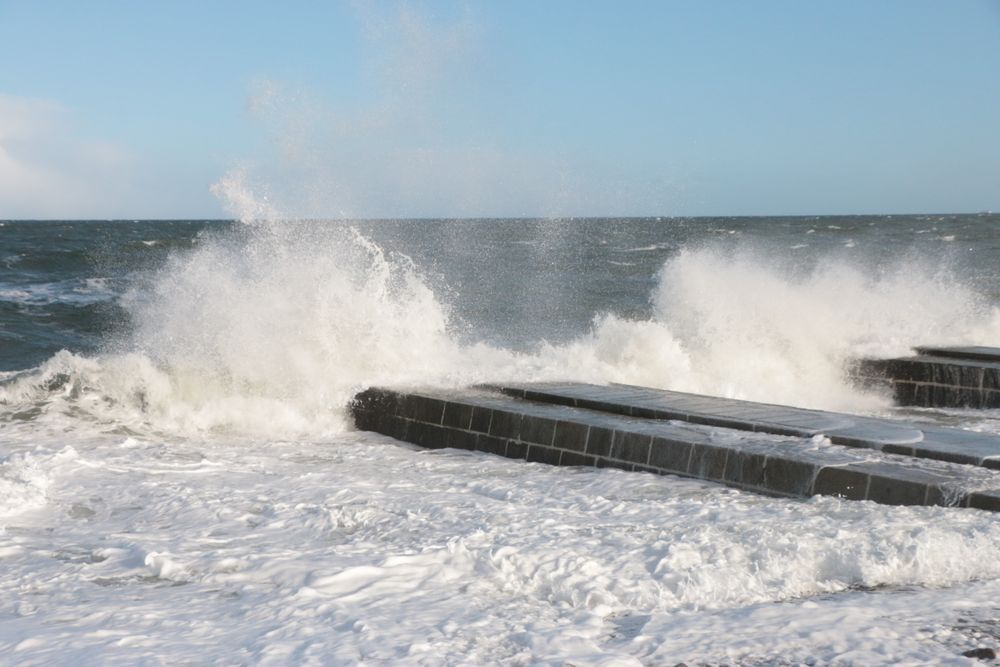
(180, 481)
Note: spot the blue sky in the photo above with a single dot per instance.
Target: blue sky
(546, 108)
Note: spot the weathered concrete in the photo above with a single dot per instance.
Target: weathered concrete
(948, 377)
(621, 427)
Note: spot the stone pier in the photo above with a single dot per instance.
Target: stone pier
(770, 449)
(944, 377)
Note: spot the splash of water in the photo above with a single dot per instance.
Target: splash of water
(741, 324)
(272, 327)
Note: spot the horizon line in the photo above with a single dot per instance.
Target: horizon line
(553, 218)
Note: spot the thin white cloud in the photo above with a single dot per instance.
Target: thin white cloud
(414, 55)
(399, 154)
(48, 171)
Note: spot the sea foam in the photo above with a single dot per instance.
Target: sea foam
(271, 327)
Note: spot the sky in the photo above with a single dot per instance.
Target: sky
(522, 108)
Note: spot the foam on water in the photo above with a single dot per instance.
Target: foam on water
(74, 292)
(271, 328)
(361, 550)
(210, 504)
(261, 331)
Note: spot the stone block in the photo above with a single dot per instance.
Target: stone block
(841, 481)
(375, 400)
(603, 406)
(940, 453)
(992, 462)
(944, 396)
(365, 420)
(422, 408)
(599, 441)
(708, 462)
(537, 430)
(382, 423)
(722, 422)
(921, 395)
(545, 397)
(576, 459)
(939, 494)
(991, 378)
(543, 454)
(614, 463)
(480, 421)
(668, 454)
(890, 489)
(991, 399)
(400, 429)
(982, 353)
(426, 435)
(506, 424)
(516, 450)
(903, 392)
(910, 369)
(893, 448)
(631, 447)
(644, 412)
(571, 435)
(956, 374)
(745, 468)
(789, 476)
(985, 500)
(781, 429)
(459, 439)
(457, 415)
(491, 445)
(516, 392)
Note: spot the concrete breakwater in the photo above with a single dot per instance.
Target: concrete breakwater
(770, 449)
(947, 377)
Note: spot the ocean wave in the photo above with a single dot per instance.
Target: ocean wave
(77, 292)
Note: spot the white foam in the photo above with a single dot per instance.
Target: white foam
(272, 330)
(741, 323)
(25, 477)
(213, 507)
(204, 550)
(77, 292)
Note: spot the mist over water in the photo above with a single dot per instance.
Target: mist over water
(271, 326)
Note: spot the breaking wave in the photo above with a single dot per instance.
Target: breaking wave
(271, 328)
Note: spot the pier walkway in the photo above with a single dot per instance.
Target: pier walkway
(770, 449)
(944, 377)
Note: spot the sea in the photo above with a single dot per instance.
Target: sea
(181, 482)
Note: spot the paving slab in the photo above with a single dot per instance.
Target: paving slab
(919, 440)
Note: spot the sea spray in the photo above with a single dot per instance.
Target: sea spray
(745, 324)
(123, 537)
(271, 326)
(266, 327)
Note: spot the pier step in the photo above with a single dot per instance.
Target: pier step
(921, 441)
(944, 377)
(601, 434)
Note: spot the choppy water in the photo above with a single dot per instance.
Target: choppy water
(179, 481)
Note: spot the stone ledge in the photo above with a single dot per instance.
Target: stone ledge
(922, 441)
(958, 377)
(566, 435)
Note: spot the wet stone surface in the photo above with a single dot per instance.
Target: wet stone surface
(553, 429)
(947, 377)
